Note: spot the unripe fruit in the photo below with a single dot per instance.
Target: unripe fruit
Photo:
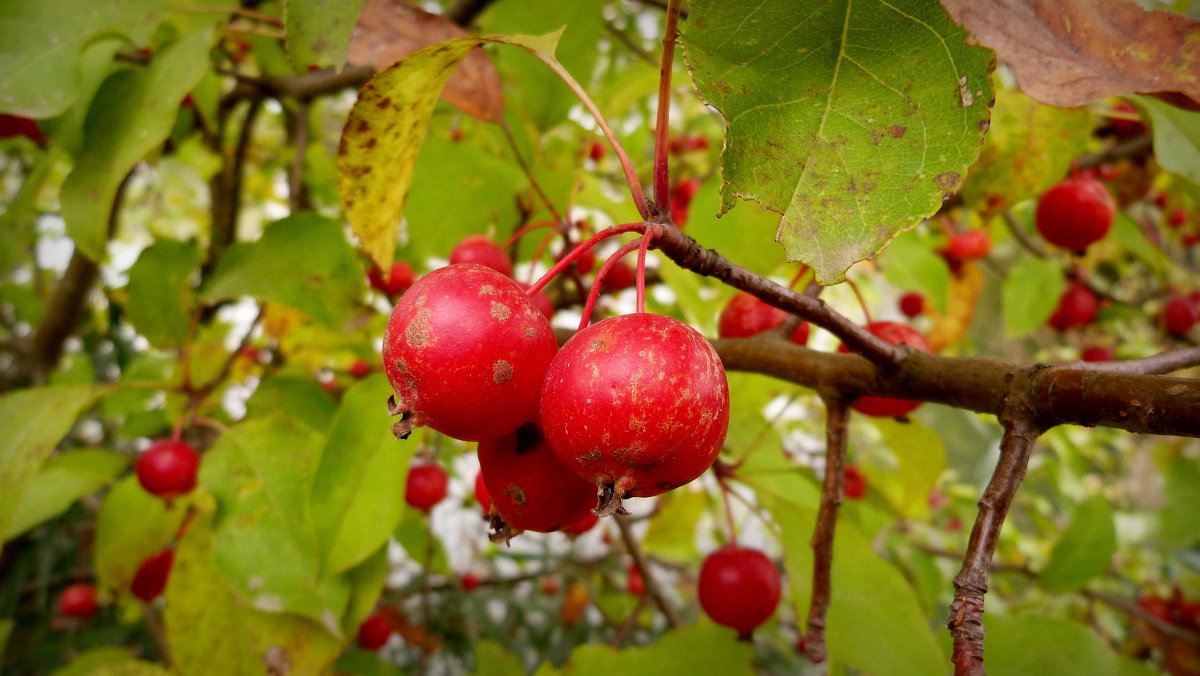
(968, 246)
(425, 486)
(1179, 315)
(854, 484)
(739, 587)
(636, 405)
(530, 487)
(78, 600)
(912, 304)
(896, 334)
(466, 351)
(374, 631)
(1097, 353)
(483, 251)
(1075, 213)
(746, 315)
(399, 278)
(168, 468)
(151, 578)
(1076, 307)
(482, 496)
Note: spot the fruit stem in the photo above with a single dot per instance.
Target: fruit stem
(635, 187)
(526, 229)
(563, 262)
(728, 508)
(662, 178)
(861, 303)
(598, 283)
(804, 269)
(641, 269)
(537, 253)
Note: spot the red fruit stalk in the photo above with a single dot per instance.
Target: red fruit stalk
(636, 405)
(466, 351)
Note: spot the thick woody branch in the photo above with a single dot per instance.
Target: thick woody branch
(837, 418)
(970, 585)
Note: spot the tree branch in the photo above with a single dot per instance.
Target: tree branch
(837, 418)
(1161, 363)
(652, 587)
(226, 189)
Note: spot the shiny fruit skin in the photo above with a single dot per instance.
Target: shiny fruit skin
(1097, 353)
(854, 484)
(745, 315)
(968, 246)
(425, 486)
(151, 578)
(400, 277)
(482, 496)
(912, 304)
(638, 402)
(618, 278)
(78, 600)
(1075, 213)
(168, 468)
(739, 587)
(896, 334)
(1179, 315)
(466, 351)
(374, 631)
(483, 251)
(583, 525)
(530, 487)
(1076, 307)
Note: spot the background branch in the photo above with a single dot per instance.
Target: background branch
(653, 588)
(837, 418)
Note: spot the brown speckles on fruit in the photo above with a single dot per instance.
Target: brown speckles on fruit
(502, 371)
(516, 494)
(417, 332)
(500, 311)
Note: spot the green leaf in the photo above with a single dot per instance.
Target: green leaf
(383, 135)
(1131, 238)
(672, 532)
(851, 141)
(318, 32)
(299, 397)
(357, 483)
(64, 478)
(6, 627)
(92, 660)
(1029, 149)
(703, 643)
(1085, 548)
(302, 261)
(131, 115)
(413, 535)
(366, 584)
(130, 667)
(1176, 137)
(35, 421)
(493, 659)
(728, 231)
(922, 459)
(261, 473)
(160, 292)
(1179, 519)
(912, 265)
(1030, 294)
(132, 525)
(1029, 645)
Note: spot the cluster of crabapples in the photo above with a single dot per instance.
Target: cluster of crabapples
(631, 406)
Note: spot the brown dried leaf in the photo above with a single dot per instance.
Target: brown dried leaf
(389, 30)
(1069, 52)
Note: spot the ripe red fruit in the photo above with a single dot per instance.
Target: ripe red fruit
(78, 600)
(1179, 315)
(1075, 213)
(542, 301)
(151, 578)
(482, 496)
(12, 125)
(685, 190)
(637, 405)
(618, 278)
(1178, 217)
(912, 304)
(896, 334)
(1097, 353)
(466, 351)
(597, 151)
(968, 246)
(584, 262)
(425, 485)
(634, 583)
(739, 587)
(359, 368)
(854, 484)
(399, 278)
(469, 581)
(583, 525)
(168, 468)
(1076, 307)
(374, 631)
(1123, 126)
(530, 487)
(479, 249)
(680, 214)
(746, 315)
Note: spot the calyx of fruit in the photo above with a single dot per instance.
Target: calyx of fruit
(466, 352)
(636, 405)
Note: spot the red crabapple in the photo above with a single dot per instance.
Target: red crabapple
(739, 587)
(483, 251)
(168, 468)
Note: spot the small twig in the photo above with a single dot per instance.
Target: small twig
(1159, 364)
(970, 585)
(227, 367)
(226, 188)
(1135, 611)
(533, 182)
(662, 130)
(464, 12)
(629, 623)
(837, 417)
(154, 623)
(653, 589)
(297, 191)
(630, 44)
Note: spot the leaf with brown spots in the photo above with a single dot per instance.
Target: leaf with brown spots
(1069, 52)
(383, 135)
(852, 119)
(389, 30)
